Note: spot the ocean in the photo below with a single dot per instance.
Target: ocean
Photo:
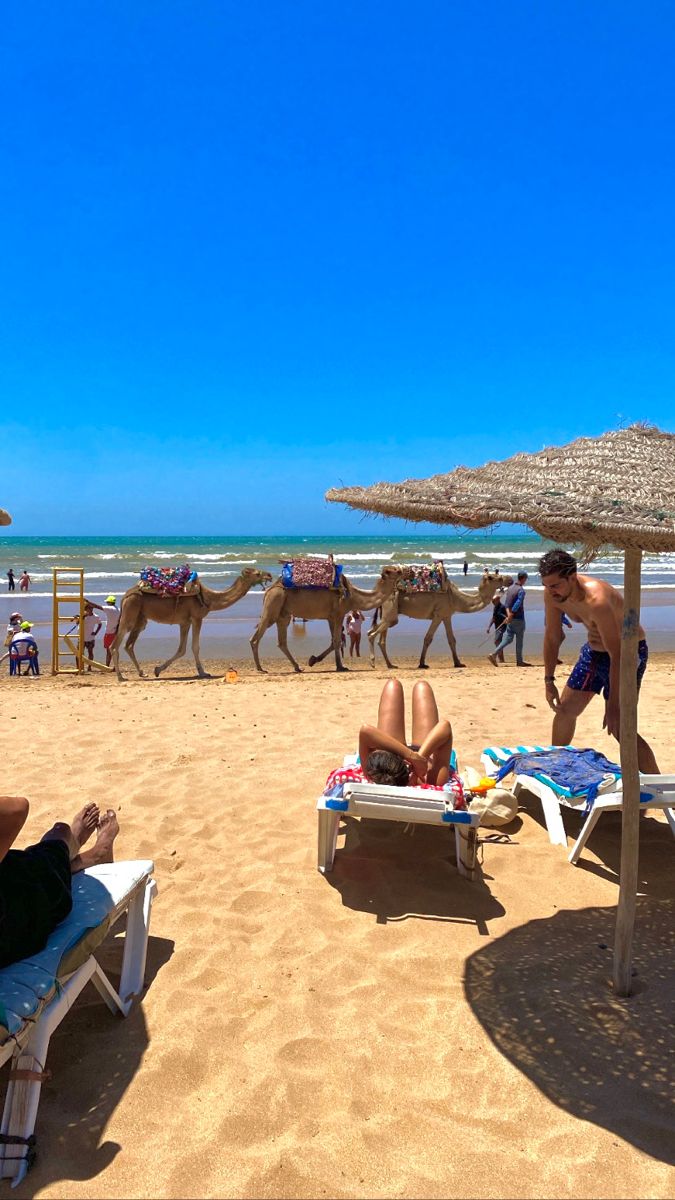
(112, 564)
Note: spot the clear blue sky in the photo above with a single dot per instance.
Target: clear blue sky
(253, 250)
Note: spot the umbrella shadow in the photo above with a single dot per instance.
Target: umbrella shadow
(93, 1058)
(542, 994)
(656, 846)
(399, 873)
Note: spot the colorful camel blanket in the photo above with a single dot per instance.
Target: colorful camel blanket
(422, 579)
(311, 573)
(168, 581)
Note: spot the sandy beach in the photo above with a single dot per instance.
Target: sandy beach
(390, 1030)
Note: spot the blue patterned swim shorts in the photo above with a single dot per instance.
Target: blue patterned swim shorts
(591, 670)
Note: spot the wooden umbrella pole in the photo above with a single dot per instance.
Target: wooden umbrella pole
(630, 820)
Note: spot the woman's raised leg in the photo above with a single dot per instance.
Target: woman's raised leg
(391, 710)
(433, 736)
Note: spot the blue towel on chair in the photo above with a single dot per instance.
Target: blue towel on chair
(580, 771)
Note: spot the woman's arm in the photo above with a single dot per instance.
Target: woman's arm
(371, 738)
(13, 813)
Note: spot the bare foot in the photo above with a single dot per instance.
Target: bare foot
(84, 824)
(102, 850)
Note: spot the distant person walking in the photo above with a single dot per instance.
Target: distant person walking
(465, 568)
(112, 619)
(354, 624)
(498, 620)
(24, 582)
(11, 586)
(514, 603)
(91, 628)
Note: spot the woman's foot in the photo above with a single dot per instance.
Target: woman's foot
(84, 824)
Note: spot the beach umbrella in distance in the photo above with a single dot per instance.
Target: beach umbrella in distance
(617, 490)
(5, 518)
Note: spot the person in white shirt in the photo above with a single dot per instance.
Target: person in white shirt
(92, 624)
(25, 642)
(112, 619)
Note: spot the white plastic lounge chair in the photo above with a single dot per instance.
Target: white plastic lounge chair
(36, 993)
(412, 805)
(656, 791)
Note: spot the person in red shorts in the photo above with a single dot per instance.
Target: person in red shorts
(112, 619)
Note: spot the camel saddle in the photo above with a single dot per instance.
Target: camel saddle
(311, 573)
(169, 581)
(422, 578)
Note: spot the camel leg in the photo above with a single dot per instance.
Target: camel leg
(336, 628)
(282, 638)
(382, 630)
(452, 642)
(256, 638)
(129, 647)
(428, 639)
(182, 645)
(317, 658)
(196, 632)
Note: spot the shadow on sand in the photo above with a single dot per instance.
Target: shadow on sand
(396, 873)
(542, 994)
(93, 1058)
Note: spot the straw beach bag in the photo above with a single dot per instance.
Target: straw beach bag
(497, 807)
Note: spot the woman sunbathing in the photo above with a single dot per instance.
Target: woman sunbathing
(35, 884)
(387, 758)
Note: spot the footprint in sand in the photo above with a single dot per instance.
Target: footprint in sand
(251, 902)
(305, 1053)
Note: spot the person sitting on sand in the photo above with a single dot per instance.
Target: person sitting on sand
(35, 884)
(387, 758)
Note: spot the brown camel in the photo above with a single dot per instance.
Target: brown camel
(139, 607)
(328, 604)
(436, 607)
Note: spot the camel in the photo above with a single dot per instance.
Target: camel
(328, 604)
(187, 611)
(436, 607)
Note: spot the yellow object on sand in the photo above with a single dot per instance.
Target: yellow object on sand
(484, 785)
(231, 676)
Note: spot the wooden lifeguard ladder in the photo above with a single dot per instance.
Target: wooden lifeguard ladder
(68, 588)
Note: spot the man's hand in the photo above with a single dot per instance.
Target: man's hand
(612, 721)
(552, 696)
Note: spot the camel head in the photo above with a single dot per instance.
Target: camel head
(252, 576)
(390, 575)
(490, 583)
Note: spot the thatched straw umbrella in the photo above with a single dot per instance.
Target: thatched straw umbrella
(615, 490)
(5, 518)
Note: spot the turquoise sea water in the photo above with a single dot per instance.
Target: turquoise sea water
(112, 564)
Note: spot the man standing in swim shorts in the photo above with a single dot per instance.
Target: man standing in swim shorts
(599, 607)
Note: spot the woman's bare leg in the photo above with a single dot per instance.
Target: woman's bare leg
(391, 710)
(433, 736)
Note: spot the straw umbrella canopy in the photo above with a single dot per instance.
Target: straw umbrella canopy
(617, 490)
(5, 518)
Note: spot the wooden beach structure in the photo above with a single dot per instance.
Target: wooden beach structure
(617, 490)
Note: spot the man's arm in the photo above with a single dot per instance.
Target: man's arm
(13, 813)
(553, 636)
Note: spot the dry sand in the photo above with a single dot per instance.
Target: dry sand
(390, 1030)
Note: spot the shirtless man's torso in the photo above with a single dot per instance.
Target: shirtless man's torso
(599, 607)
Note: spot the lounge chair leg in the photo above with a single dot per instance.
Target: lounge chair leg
(328, 831)
(586, 830)
(670, 818)
(553, 817)
(466, 845)
(136, 945)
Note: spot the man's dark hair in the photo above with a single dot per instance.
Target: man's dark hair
(383, 766)
(558, 562)
(522, 574)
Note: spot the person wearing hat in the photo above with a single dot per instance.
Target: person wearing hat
(24, 640)
(112, 620)
(13, 626)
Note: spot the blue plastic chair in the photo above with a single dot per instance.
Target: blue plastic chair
(25, 651)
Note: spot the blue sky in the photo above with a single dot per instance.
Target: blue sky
(254, 250)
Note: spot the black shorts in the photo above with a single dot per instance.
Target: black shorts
(35, 896)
